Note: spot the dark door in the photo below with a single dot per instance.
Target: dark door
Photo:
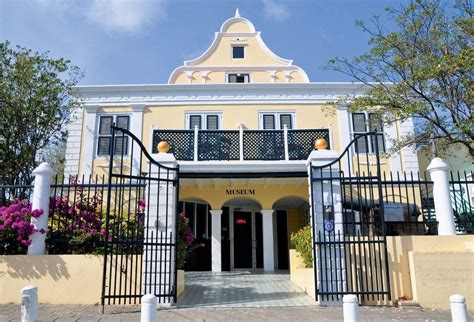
(243, 239)
(282, 239)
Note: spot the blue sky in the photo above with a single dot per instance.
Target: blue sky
(142, 41)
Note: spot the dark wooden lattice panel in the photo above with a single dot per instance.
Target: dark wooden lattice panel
(181, 143)
(301, 142)
(218, 145)
(264, 145)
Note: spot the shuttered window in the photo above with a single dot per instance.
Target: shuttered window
(212, 122)
(269, 122)
(276, 120)
(363, 123)
(238, 78)
(203, 121)
(285, 119)
(105, 135)
(195, 120)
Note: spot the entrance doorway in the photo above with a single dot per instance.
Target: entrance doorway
(247, 242)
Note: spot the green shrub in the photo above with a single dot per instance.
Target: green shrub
(302, 242)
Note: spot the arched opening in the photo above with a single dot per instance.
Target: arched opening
(291, 214)
(198, 213)
(242, 234)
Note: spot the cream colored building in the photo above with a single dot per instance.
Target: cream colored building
(241, 122)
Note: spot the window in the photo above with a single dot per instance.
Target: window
(105, 135)
(363, 123)
(277, 120)
(203, 121)
(238, 78)
(238, 52)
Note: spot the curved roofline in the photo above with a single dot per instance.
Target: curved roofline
(221, 33)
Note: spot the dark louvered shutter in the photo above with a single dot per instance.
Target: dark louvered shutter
(212, 122)
(269, 122)
(195, 120)
(285, 119)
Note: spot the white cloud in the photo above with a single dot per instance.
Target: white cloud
(129, 16)
(275, 9)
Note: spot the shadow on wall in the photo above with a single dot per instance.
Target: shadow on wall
(34, 267)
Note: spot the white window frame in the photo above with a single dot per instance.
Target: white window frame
(238, 74)
(203, 116)
(367, 130)
(277, 114)
(232, 51)
(97, 134)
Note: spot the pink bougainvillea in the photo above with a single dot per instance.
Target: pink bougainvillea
(16, 227)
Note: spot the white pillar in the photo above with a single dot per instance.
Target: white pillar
(350, 308)
(29, 304)
(438, 170)
(268, 240)
(136, 127)
(327, 193)
(159, 261)
(148, 309)
(458, 308)
(216, 255)
(90, 142)
(41, 194)
(344, 136)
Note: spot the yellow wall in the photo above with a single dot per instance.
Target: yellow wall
(437, 275)
(427, 269)
(61, 279)
(265, 195)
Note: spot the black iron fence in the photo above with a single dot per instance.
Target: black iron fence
(77, 208)
(76, 212)
(225, 145)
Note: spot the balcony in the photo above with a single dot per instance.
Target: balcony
(240, 145)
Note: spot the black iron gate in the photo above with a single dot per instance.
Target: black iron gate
(140, 249)
(349, 235)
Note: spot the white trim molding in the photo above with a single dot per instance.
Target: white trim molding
(217, 94)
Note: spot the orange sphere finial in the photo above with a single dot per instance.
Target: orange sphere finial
(321, 144)
(163, 147)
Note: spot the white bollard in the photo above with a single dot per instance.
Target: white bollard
(41, 193)
(458, 308)
(438, 170)
(351, 308)
(148, 313)
(29, 304)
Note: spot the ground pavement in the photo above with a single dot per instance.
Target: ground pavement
(11, 312)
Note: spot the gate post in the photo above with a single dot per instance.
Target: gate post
(159, 260)
(438, 170)
(326, 203)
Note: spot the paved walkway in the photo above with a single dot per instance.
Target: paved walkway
(234, 296)
(241, 289)
(66, 313)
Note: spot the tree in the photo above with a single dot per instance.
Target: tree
(422, 69)
(36, 97)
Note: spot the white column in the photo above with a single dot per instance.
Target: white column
(268, 240)
(136, 128)
(344, 132)
(438, 170)
(159, 261)
(391, 133)
(328, 193)
(216, 250)
(89, 144)
(409, 157)
(41, 193)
